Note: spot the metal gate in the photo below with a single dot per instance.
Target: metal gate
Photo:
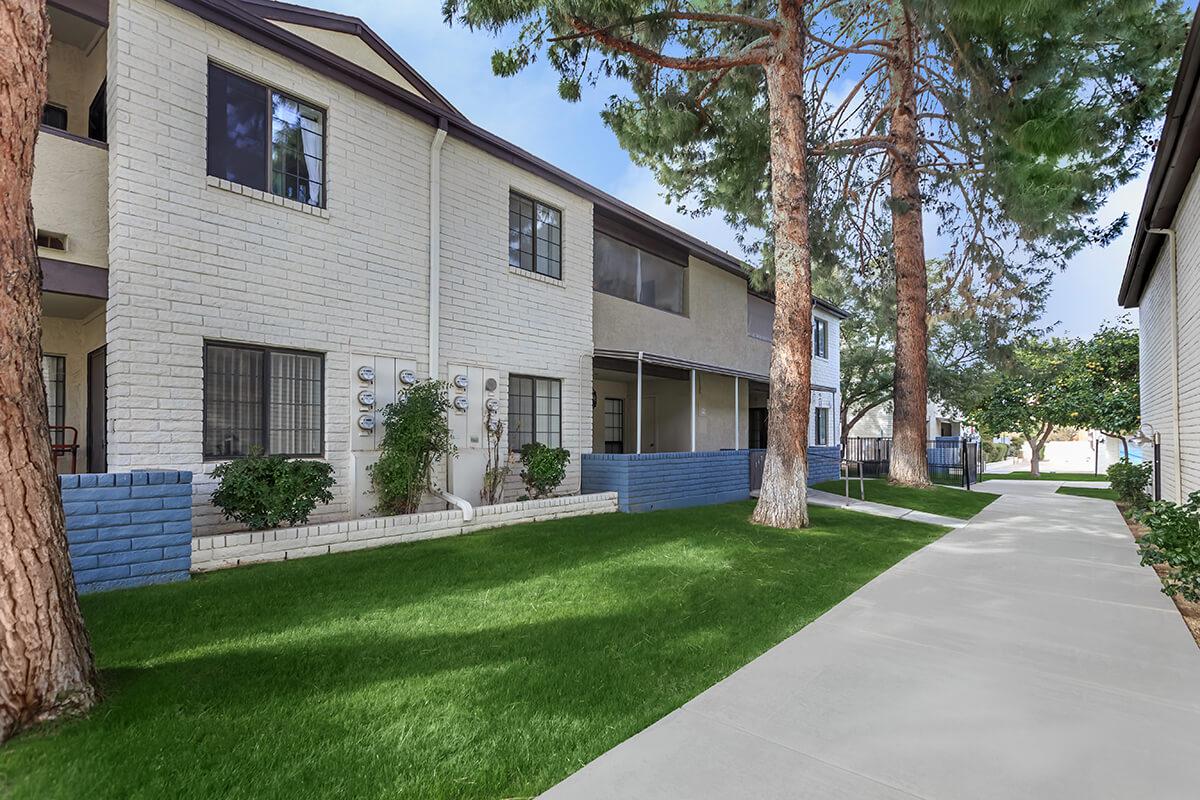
(952, 461)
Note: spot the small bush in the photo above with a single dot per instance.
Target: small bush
(994, 451)
(415, 435)
(266, 491)
(1174, 541)
(1129, 481)
(544, 468)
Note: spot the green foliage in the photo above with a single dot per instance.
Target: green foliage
(416, 434)
(1106, 388)
(994, 451)
(1174, 542)
(544, 468)
(1034, 399)
(266, 491)
(1130, 482)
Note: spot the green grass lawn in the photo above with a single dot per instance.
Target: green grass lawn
(1084, 491)
(1045, 476)
(937, 500)
(491, 665)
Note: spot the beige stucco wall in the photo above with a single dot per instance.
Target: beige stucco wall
(73, 78)
(70, 196)
(666, 422)
(351, 48)
(1180, 461)
(74, 339)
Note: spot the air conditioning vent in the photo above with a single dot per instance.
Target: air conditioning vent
(52, 241)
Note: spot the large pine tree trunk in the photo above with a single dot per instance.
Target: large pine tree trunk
(909, 461)
(783, 500)
(45, 657)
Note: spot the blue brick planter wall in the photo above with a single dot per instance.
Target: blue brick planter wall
(648, 481)
(128, 529)
(824, 464)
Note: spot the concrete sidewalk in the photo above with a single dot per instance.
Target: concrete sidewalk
(820, 498)
(1024, 655)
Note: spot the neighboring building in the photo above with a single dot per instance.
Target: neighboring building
(1162, 280)
(257, 222)
(940, 422)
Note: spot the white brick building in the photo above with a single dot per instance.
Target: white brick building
(1162, 280)
(234, 201)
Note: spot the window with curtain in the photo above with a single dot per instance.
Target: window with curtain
(821, 427)
(262, 398)
(534, 411)
(265, 139)
(614, 425)
(820, 338)
(54, 375)
(628, 272)
(534, 236)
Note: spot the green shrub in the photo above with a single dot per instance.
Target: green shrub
(544, 468)
(994, 451)
(266, 491)
(1174, 540)
(415, 435)
(1129, 481)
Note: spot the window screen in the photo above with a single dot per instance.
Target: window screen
(628, 272)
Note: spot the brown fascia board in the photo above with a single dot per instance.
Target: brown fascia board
(1174, 163)
(67, 277)
(342, 23)
(237, 17)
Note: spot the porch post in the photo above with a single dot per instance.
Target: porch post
(737, 414)
(693, 407)
(639, 403)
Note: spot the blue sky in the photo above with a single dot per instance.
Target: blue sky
(527, 111)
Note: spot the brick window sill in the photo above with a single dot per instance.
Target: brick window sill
(534, 276)
(267, 197)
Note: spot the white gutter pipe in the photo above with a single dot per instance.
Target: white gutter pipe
(435, 245)
(639, 402)
(468, 511)
(1170, 234)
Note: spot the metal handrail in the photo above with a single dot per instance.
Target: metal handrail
(862, 492)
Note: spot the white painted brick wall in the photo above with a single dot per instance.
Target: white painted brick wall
(238, 549)
(1156, 353)
(192, 260)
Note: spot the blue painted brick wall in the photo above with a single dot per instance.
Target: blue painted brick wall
(128, 529)
(649, 481)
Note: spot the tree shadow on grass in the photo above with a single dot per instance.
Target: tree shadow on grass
(484, 666)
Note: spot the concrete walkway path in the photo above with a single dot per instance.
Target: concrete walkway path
(820, 498)
(1024, 655)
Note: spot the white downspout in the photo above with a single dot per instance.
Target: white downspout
(737, 413)
(435, 246)
(1175, 412)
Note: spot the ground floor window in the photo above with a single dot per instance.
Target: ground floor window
(758, 429)
(947, 429)
(614, 425)
(257, 397)
(821, 427)
(534, 411)
(54, 374)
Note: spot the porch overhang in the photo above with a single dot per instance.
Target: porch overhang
(80, 280)
(684, 364)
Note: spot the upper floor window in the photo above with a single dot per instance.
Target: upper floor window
(534, 236)
(760, 317)
(265, 139)
(625, 271)
(54, 116)
(820, 338)
(258, 398)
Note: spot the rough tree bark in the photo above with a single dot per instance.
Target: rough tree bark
(910, 385)
(46, 667)
(1036, 442)
(783, 499)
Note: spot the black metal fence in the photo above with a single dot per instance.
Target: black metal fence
(952, 461)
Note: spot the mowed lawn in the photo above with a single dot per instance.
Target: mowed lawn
(485, 666)
(1085, 491)
(1045, 476)
(957, 503)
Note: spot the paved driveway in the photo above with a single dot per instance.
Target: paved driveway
(1024, 655)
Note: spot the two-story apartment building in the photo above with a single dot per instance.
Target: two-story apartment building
(258, 224)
